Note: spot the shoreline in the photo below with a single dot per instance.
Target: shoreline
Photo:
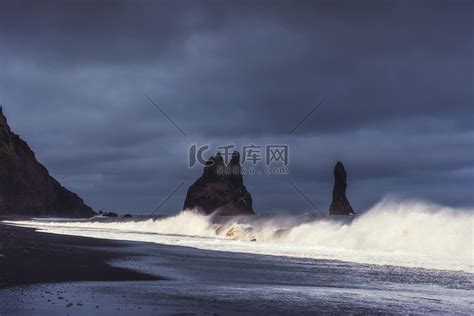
(28, 257)
(62, 274)
(177, 230)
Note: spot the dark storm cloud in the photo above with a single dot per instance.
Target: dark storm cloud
(397, 75)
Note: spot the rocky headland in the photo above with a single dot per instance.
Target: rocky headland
(26, 187)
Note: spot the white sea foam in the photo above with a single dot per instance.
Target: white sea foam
(413, 234)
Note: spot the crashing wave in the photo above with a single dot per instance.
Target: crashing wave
(401, 233)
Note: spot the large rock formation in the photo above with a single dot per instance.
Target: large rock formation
(220, 190)
(340, 205)
(26, 186)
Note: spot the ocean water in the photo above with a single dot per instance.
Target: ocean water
(396, 258)
(406, 234)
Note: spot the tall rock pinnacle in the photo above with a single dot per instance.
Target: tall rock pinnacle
(25, 184)
(340, 205)
(220, 189)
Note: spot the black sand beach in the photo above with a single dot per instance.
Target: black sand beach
(28, 257)
(47, 274)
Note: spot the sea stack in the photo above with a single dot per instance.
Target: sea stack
(220, 190)
(340, 205)
(26, 188)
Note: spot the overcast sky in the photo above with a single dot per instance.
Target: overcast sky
(397, 75)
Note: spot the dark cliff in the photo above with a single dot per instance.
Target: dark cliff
(25, 184)
(220, 190)
(340, 205)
